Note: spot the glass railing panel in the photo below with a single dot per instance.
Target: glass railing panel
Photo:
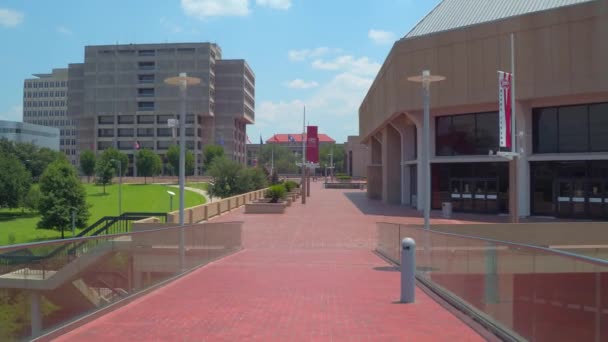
(56, 282)
(533, 293)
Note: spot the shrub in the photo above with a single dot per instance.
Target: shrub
(276, 193)
(343, 177)
(290, 185)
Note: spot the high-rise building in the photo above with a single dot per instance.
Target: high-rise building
(45, 103)
(118, 98)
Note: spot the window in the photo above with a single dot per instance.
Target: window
(146, 52)
(125, 132)
(467, 134)
(544, 130)
(145, 78)
(145, 106)
(125, 145)
(163, 132)
(145, 92)
(105, 132)
(102, 145)
(162, 119)
(145, 119)
(163, 145)
(570, 129)
(598, 127)
(105, 119)
(126, 119)
(145, 132)
(146, 65)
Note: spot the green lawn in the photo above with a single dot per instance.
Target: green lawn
(202, 186)
(140, 198)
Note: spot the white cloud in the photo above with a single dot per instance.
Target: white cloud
(64, 30)
(303, 54)
(381, 37)
(10, 18)
(169, 26)
(15, 113)
(359, 66)
(301, 84)
(276, 4)
(215, 8)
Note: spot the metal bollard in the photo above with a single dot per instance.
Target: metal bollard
(408, 270)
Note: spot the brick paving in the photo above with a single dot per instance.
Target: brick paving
(307, 275)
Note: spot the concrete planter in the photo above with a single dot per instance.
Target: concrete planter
(293, 196)
(264, 207)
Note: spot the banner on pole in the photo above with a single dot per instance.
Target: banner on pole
(504, 109)
(312, 144)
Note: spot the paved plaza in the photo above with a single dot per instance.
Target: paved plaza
(309, 274)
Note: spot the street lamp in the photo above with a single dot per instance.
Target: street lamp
(182, 81)
(171, 194)
(426, 79)
(119, 185)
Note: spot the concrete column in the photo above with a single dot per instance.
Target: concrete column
(391, 166)
(524, 141)
(35, 313)
(420, 176)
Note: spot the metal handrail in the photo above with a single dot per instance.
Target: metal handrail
(518, 245)
(10, 261)
(90, 238)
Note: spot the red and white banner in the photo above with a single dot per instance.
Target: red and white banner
(505, 111)
(312, 144)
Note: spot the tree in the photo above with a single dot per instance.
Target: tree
(87, 164)
(224, 172)
(173, 159)
(61, 192)
(338, 157)
(148, 163)
(104, 170)
(111, 154)
(284, 159)
(210, 153)
(15, 181)
(250, 179)
(32, 199)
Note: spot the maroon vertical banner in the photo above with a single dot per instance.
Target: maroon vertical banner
(312, 144)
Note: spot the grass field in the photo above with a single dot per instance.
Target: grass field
(202, 186)
(18, 227)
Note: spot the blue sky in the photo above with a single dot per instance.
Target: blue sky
(324, 54)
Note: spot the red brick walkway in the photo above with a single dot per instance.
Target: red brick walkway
(306, 275)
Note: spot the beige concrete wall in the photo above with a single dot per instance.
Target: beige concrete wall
(360, 156)
(207, 211)
(543, 234)
(560, 55)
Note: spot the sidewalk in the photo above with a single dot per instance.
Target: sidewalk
(309, 274)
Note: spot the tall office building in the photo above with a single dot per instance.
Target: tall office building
(120, 100)
(45, 103)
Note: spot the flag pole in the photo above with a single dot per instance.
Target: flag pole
(303, 182)
(515, 193)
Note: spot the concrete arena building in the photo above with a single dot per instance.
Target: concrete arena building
(356, 157)
(561, 84)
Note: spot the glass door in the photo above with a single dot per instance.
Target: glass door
(456, 194)
(565, 193)
(468, 190)
(480, 197)
(596, 198)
